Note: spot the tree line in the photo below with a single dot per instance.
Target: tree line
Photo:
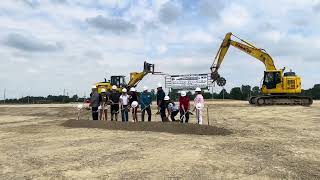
(245, 92)
(44, 100)
(237, 93)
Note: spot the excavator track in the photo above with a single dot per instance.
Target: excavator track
(280, 100)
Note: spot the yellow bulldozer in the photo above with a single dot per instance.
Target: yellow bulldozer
(120, 82)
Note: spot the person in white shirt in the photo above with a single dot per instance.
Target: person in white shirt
(172, 108)
(198, 105)
(124, 102)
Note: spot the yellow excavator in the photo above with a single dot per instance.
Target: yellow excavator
(278, 87)
(119, 81)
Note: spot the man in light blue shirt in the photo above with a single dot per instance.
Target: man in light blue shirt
(146, 101)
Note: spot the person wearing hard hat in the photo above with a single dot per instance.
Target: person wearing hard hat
(134, 106)
(103, 108)
(184, 105)
(198, 105)
(145, 101)
(160, 102)
(114, 98)
(133, 101)
(124, 102)
(171, 107)
(95, 99)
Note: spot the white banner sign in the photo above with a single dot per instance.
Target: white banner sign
(188, 82)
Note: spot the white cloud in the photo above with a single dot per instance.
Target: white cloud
(235, 16)
(162, 49)
(170, 12)
(273, 36)
(32, 70)
(197, 37)
(116, 25)
(171, 34)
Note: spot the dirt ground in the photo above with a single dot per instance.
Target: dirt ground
(272, 142)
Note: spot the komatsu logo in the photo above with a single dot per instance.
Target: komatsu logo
(243, 48)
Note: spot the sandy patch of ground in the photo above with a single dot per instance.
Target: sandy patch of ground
(274, 142)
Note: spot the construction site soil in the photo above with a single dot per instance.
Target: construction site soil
(242, 142)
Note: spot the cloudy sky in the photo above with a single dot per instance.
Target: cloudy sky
(50, 45)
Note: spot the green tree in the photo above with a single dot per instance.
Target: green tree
(246, 91)
(236, 93)
(223, 94)
(75, 98)
(255, 91)
(174, 95)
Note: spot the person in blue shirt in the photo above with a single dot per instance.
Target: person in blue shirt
(145, 102)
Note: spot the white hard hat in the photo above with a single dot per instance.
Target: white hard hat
(80, 106)
(145, 88)
(114, 87)
(166, 98)
(133, 89)
(159, 85)
(103, 90)
(198, 89)
(124, 90)
(134, 104)
(183, 93)
(199, 106)
(94, 87)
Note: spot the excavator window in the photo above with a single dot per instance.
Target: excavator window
(119, 81)
(271, 79)
(277, 77)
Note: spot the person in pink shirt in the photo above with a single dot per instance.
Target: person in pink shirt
(198, 105)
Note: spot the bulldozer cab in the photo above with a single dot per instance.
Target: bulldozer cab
(119, 81)
(271, 79)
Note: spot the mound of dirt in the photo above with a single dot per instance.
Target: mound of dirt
(169, 127)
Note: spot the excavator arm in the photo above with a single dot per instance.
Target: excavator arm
(244, 46)
(136, 77)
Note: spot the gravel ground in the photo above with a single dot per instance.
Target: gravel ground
(243, 142)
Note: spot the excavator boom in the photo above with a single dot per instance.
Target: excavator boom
(244, 46)
(119, 81)
(136, 77)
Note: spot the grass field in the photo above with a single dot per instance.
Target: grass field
(272, 142)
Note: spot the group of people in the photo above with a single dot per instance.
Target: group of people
(126, 102)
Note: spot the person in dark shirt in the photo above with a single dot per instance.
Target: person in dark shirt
(161, 103)
(95, 99)
(114, 98)
(134, 98)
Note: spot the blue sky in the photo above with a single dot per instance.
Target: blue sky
(51, 45)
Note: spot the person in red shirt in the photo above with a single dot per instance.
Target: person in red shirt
(184, 107)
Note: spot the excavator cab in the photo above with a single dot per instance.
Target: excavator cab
(119, 81)
(271, 79)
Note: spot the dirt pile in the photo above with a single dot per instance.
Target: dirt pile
(169, 127)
